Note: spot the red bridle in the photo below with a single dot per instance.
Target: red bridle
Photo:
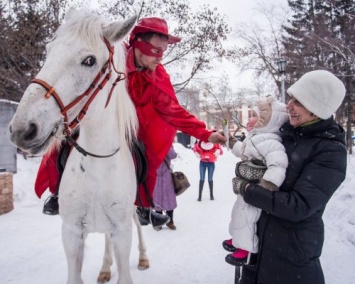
(94, 89)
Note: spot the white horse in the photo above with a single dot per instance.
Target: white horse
(77, 86)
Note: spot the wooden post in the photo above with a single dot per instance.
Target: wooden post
(6, 192)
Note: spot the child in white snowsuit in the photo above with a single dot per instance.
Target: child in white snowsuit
(262, 143)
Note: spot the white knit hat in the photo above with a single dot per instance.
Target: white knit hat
(320, 92)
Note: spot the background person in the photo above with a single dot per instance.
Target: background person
(164, 194)
(208, 153)
(290, 228)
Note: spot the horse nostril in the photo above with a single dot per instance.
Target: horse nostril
(31, 133)
(10, 128)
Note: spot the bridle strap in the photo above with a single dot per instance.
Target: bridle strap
(50, 92)
(94, 88)
(71, 141)
(120, 75)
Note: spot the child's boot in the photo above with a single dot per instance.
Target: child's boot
(237, 258)
(228, 246)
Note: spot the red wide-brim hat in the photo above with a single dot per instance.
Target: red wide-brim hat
(155, 25)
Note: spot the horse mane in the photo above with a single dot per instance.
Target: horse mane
(88, 26)
(83, 24)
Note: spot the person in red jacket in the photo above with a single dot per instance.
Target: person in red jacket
(207, 153)
(159, 113)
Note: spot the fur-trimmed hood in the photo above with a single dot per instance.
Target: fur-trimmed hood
(272, 114)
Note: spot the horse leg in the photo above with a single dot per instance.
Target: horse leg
(105, 272)
(143, 263)
(122, 243)
(73, 242)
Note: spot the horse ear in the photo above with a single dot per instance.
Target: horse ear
(118, 30)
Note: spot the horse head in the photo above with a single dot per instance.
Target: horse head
(78, 59)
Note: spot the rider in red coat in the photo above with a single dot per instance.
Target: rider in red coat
(159, 113)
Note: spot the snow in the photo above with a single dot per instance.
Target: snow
(31, 250)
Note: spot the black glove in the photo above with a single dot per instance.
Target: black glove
(239, 185)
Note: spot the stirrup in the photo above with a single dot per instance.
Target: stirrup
(149, 216)
(157, 219)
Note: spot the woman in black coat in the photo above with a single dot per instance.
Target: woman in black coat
(291, 229)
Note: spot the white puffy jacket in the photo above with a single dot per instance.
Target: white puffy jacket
(262, 143)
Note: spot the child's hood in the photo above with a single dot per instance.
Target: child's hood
(272, 114)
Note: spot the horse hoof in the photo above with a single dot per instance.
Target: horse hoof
(104, 277)
(143, 264)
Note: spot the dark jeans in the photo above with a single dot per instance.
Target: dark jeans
(210, 168)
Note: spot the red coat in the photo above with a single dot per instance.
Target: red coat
(48, 174)
(160, 115)
(208, 155)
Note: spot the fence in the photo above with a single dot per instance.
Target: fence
(7, 150)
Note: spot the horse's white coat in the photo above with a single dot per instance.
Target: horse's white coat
(96, 194)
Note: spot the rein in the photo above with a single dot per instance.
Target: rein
(96, 86)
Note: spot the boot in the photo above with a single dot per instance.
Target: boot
(51, 206)
(148, 216)
(171, 224)
(237, 258)
(200, 190)
(228, 245)
(210, 183)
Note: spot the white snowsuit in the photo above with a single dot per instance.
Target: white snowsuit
(262, 143)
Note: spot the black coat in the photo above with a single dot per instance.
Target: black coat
(291, 229)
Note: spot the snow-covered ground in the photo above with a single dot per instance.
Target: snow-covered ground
(31, 249)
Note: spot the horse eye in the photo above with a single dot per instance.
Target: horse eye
(89, 61)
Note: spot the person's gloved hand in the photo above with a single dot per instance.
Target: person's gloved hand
(239, 185)
(197, 155)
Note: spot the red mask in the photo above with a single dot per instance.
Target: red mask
(148, 49)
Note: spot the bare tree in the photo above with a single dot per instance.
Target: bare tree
(259, 48)
(26, 27)
(219, 103)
